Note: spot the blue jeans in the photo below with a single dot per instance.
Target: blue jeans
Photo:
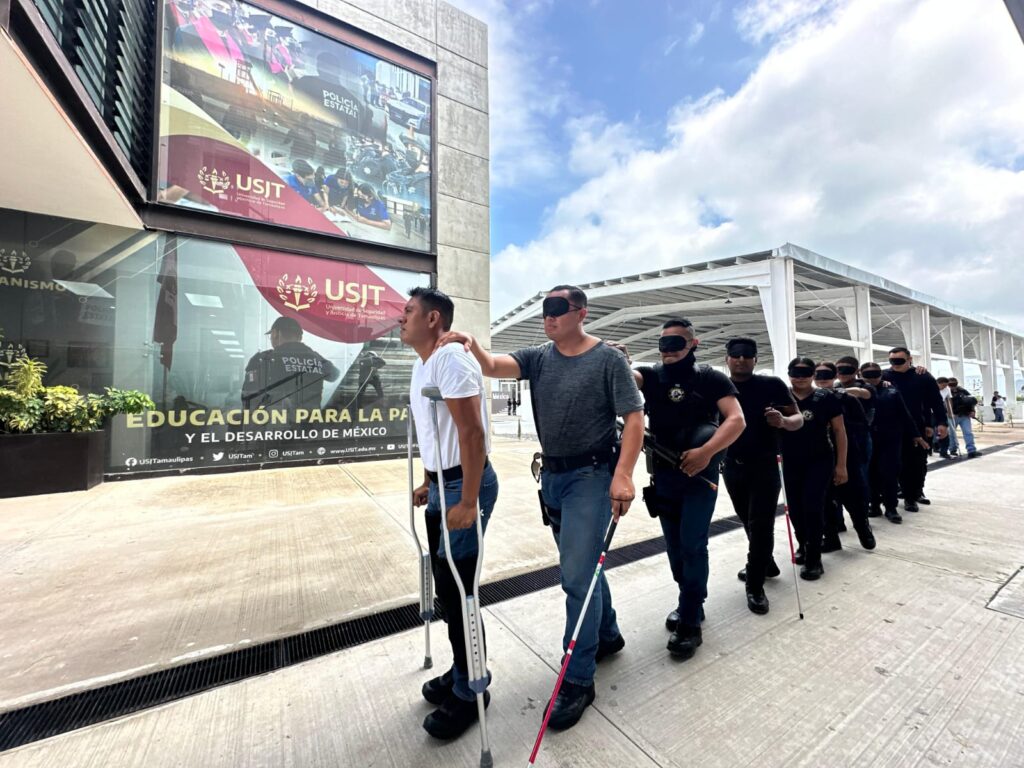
(580, 509)
(692, 502)
(464, 550)
(998, 412)
(963, 423)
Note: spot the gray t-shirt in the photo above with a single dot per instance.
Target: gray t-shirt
(578, 398)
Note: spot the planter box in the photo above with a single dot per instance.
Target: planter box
(51, 463)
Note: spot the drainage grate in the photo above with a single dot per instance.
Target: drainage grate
(51, 718)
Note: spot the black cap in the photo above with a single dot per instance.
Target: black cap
(259, 20)
(289, 326)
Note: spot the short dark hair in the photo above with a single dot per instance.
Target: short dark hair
(677, 322)
(870, 364)
(434, 299)
(904, 350)
(802, 361)
(740, 340)
(576, 294)
(830, 366)
(302, 168)
(848, 360)
(942, 380)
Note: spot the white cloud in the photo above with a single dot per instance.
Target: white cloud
(526, 90)
(759, 19)
(892, 138)
(696, 33)
(597, 144)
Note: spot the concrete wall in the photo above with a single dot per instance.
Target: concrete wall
(457, 42)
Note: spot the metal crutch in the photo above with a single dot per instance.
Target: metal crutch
(472, 629)
(426, 573)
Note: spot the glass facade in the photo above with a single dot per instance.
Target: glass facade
(252, 356)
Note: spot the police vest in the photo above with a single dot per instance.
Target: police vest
(680, 416)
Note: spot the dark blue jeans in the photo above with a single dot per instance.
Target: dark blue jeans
(580, 509)
(689, 503)
(464, 550)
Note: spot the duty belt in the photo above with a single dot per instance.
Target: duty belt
(453, 473)
(569, 463)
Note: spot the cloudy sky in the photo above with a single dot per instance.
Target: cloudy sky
(888, 134)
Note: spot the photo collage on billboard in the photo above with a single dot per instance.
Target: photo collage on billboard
(263, 119)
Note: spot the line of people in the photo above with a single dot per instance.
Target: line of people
(852, 437)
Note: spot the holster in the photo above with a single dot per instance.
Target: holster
(544, 516)
(656, 505)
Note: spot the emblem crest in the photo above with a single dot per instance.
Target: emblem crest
(215, 182)
(808, 415)
(14, 262)
(295, 293)
(676, 394)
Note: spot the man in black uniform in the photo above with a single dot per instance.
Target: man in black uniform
(924, 401)
(683, 401)
(751, 470)
(811, 463)
(290, 375)
(851, 494)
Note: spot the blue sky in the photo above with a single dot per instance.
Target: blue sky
(629, 136)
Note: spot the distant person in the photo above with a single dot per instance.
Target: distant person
(370, 364)
(998, 406)
(335, 102)
(948, 448)
(302, 179)
(289, 375)
(340, 191)
(964, 405)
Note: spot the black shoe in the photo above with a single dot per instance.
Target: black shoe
(974, 454)
(923, 500)
(672, 620)
(911, 506)
(893, 516)
(770, 572)
(757, 603)
(606, 648)
(812, 571)
(831, 545)
(453, 717)
(875, 512)
(866, 536)
(437, 689)
(799, 557)
(684, 641)
(569, 706)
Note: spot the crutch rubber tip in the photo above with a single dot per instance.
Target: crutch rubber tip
(486, 761)
(429, 662)
(801, 617)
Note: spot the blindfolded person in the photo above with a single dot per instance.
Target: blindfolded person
(578, 385)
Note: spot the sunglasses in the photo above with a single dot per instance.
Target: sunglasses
(556, 306)
(897, 360)
(801, 373)
(740, 352)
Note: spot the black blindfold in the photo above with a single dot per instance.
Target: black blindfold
(801, 372)
(871, 374)
(672, 344)
(847, 370)
(824, 375)
(897, 360)
(556, 306)
(742, 350)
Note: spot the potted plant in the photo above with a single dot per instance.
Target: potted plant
(51, 438)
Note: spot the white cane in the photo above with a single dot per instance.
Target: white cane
(426, 574)
(472, 629)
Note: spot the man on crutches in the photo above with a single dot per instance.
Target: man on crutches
(453, 445)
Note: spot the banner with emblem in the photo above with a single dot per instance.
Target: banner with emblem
(263, 119)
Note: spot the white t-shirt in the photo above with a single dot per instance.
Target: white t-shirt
(457, 374)
(946, 393)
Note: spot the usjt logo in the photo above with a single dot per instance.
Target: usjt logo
(214, 182)
(296, 294)
(14, 263)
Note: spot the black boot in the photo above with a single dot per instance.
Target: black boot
(911, 506)
(606, 648)
(757, 602)
(437, 689)
(453, 717)
(922, 499)
(799, 557)
(866, 535)
(672, 620)
(812, 571)
(831, 543)
(684, 641)
(893, 516)
(770, 572)
(570, 704)
(876, 511)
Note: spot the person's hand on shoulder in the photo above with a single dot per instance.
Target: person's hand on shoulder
(456, 337)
